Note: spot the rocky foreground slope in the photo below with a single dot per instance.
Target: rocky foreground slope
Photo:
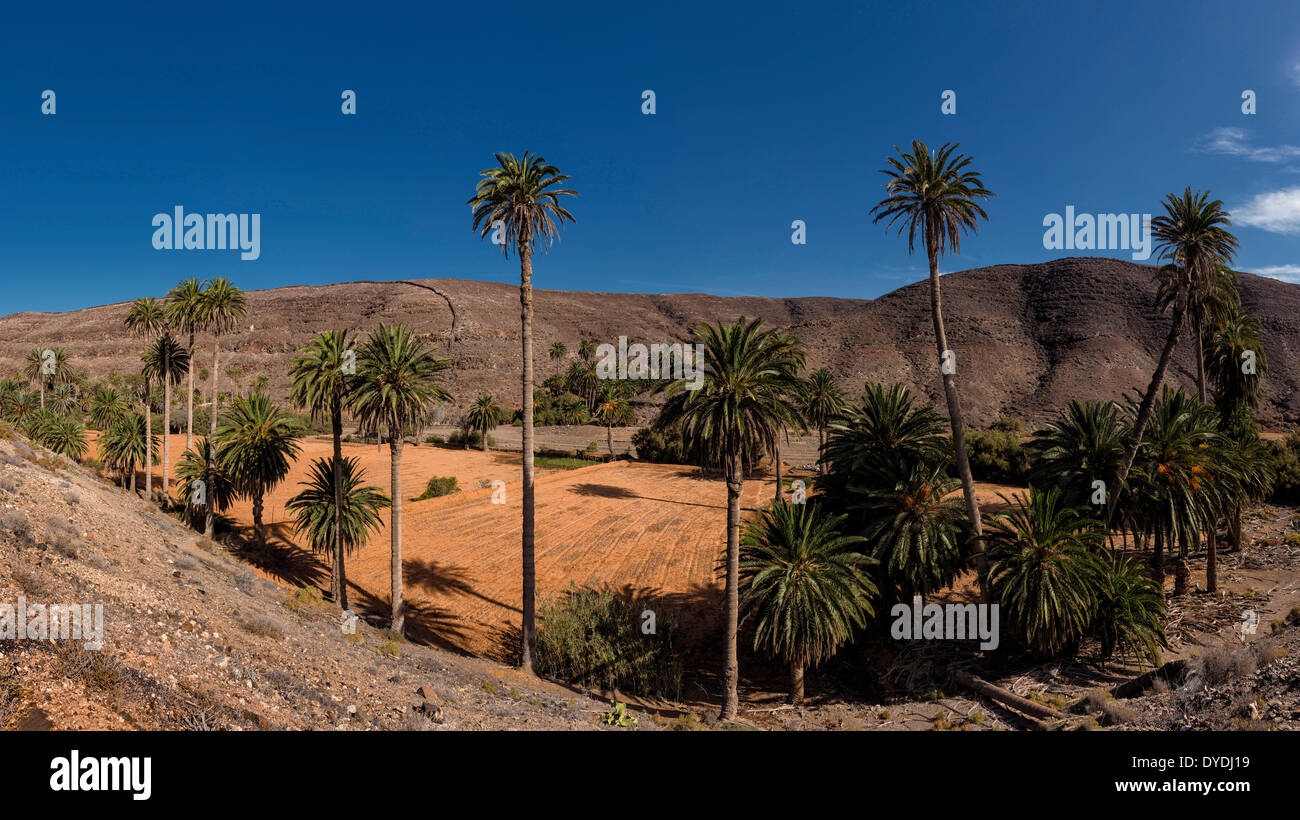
(192, 639)
(1029, 337)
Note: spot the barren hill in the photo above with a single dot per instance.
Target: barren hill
(1028, 337)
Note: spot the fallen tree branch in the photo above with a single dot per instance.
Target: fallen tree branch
(1026, 707)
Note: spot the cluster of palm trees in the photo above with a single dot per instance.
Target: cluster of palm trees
(887, 517)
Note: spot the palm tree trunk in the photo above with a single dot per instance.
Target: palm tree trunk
(796, 683)
(1212, 564)
(395, 532)
(955, 419)
(1158, 560)
(485, 449)
(780, 486)
(1200, 358)
(259, 531)
(210, 525)
(148, 442)
(167, 434)
(1236, 528)
(189, 399)
(529, 591)
(338, 583)
(1148, 401)
(821, 445)
(609, 439)
(42, 383)
(730, 664)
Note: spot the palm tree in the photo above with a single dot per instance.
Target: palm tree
(221, 305)
(396, 382)
(804, 584)
(1042, 564)
(917, 530)
(822, 403)
(327, 525)
(184, 311)
(936, 194)
(1084, 445)
(1237, 364)
(199, 467)
(123, 446)
(320, 384)
(66, 400)
(520, 197)
(146, 318)
(107, 407)
(63, 435)
(1129, 611)
(739, 406)
(874, 441)
(1193, 234)
(794, 398)
(1210, 301)
(34, 368)
(558, 351)
(166, 361)
(483, 415)
(613, 407)
(256, 441)
(587, 349)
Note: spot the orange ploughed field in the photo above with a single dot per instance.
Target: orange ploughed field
(650, 529)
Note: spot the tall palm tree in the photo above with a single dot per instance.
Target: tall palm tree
(1210, 301)
(316, 515)
(938, 195)
(257, 440)
(320, 384)
(397, 380)
(222, 305)
(1193, 234)
(184, 311)
(739, 406)
(1237, 364)
(822, 403)
(484, 415)
(805, 585)
(521, 197)
(166, 361)
(66, 400)
(146, 319)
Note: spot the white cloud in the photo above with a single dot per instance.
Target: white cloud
(1287, 273)
(1234, 142)
(1275, 212)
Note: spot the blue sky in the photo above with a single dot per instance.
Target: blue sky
(766, 114)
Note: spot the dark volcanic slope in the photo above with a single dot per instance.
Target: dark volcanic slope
(1028, 337)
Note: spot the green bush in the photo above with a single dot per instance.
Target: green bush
(557, 411)
(998, 455)
(434, 439)
(660, 446)
(458, 437)
(593, 638)
(1286, 466)
(438, 487)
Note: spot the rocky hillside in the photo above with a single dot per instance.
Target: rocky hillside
(192, 639)
(1028, 337)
